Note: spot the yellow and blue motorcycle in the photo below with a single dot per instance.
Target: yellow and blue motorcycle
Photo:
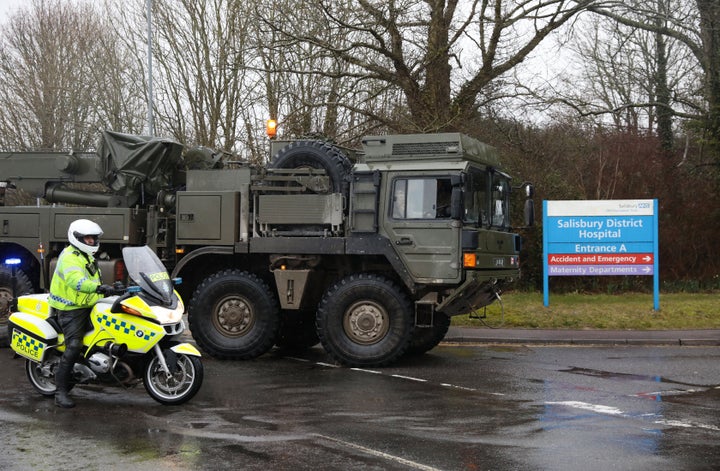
(135, 337)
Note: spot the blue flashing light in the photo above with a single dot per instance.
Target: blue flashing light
(12, 261)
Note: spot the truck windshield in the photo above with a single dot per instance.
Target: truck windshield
(486, 197)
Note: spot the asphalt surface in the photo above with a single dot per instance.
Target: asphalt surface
(472, 335)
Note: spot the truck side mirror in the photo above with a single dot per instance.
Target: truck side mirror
(529, 205)
(529, 212)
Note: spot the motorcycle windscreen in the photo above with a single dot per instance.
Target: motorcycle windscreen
(147, 271)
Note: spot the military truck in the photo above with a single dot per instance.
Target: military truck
(368, 251)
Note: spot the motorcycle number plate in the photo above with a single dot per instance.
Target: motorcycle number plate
(27, 346)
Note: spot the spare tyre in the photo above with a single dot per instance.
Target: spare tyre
(316, 154)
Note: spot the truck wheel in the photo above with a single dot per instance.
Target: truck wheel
(22, 286)
(365, 320)
(427, 338)
(297, 330)
(234, 316)
(316, 154)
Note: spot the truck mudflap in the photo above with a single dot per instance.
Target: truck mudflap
(31, 336)
(476, 292)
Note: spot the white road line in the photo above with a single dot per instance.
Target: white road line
(669, 392)
(679, 423)
(409, 378)
(304, 360)
(591, 407)
(420, 380)
(607, 410)
(380, 454)
(363, 370)
(463, 388)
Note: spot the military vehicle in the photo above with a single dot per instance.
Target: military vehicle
(368, 251)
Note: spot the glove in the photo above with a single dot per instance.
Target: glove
(105, 290)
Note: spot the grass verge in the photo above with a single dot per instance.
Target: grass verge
(633, 311)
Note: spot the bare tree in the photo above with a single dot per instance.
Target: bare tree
(331, 103)
(692, 24)
(632, 76)
(203, 54)
(60, 77)
(443, 55)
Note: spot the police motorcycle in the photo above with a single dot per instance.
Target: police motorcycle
(134, 337)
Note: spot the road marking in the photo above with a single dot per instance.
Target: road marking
(409, 378)
(608, 410)
(233, 436)
(679, 423)
(420, 380)
(304, 360)
(363, 370)
(669, 392)
(380, 454)
(453, 386)
(591, 407)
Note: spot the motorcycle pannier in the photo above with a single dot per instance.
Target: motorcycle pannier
(31, 336)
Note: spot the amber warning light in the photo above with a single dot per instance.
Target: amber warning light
(271, 128)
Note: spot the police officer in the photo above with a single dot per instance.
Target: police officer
(75, 288)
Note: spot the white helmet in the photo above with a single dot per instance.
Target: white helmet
(81, 228)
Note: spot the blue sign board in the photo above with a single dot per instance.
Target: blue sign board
(600, 238)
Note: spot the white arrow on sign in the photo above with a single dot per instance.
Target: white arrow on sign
(647, 258)
(647, 269)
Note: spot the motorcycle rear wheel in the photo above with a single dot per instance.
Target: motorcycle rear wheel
(180, 386)
(42, 375)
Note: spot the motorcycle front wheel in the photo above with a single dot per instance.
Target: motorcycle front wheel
(180, 385)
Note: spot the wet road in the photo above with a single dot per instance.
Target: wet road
(456, 408)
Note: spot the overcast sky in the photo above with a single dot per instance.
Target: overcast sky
(8, 6)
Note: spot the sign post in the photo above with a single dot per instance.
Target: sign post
(600, 238)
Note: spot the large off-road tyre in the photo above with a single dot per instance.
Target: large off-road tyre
(365, 320)
(234, 316)
(297, 330)
(426, 338)
(22, 286)
(42, 376)
(316, 154)
(180, 386)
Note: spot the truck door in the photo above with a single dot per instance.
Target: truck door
(417, 222)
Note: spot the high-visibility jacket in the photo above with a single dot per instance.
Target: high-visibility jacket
(75, 280)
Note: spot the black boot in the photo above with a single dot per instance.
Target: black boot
(62, 378)
(63, 399)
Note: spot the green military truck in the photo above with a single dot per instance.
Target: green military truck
(369, 252)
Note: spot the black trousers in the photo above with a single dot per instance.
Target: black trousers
(74, 324)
